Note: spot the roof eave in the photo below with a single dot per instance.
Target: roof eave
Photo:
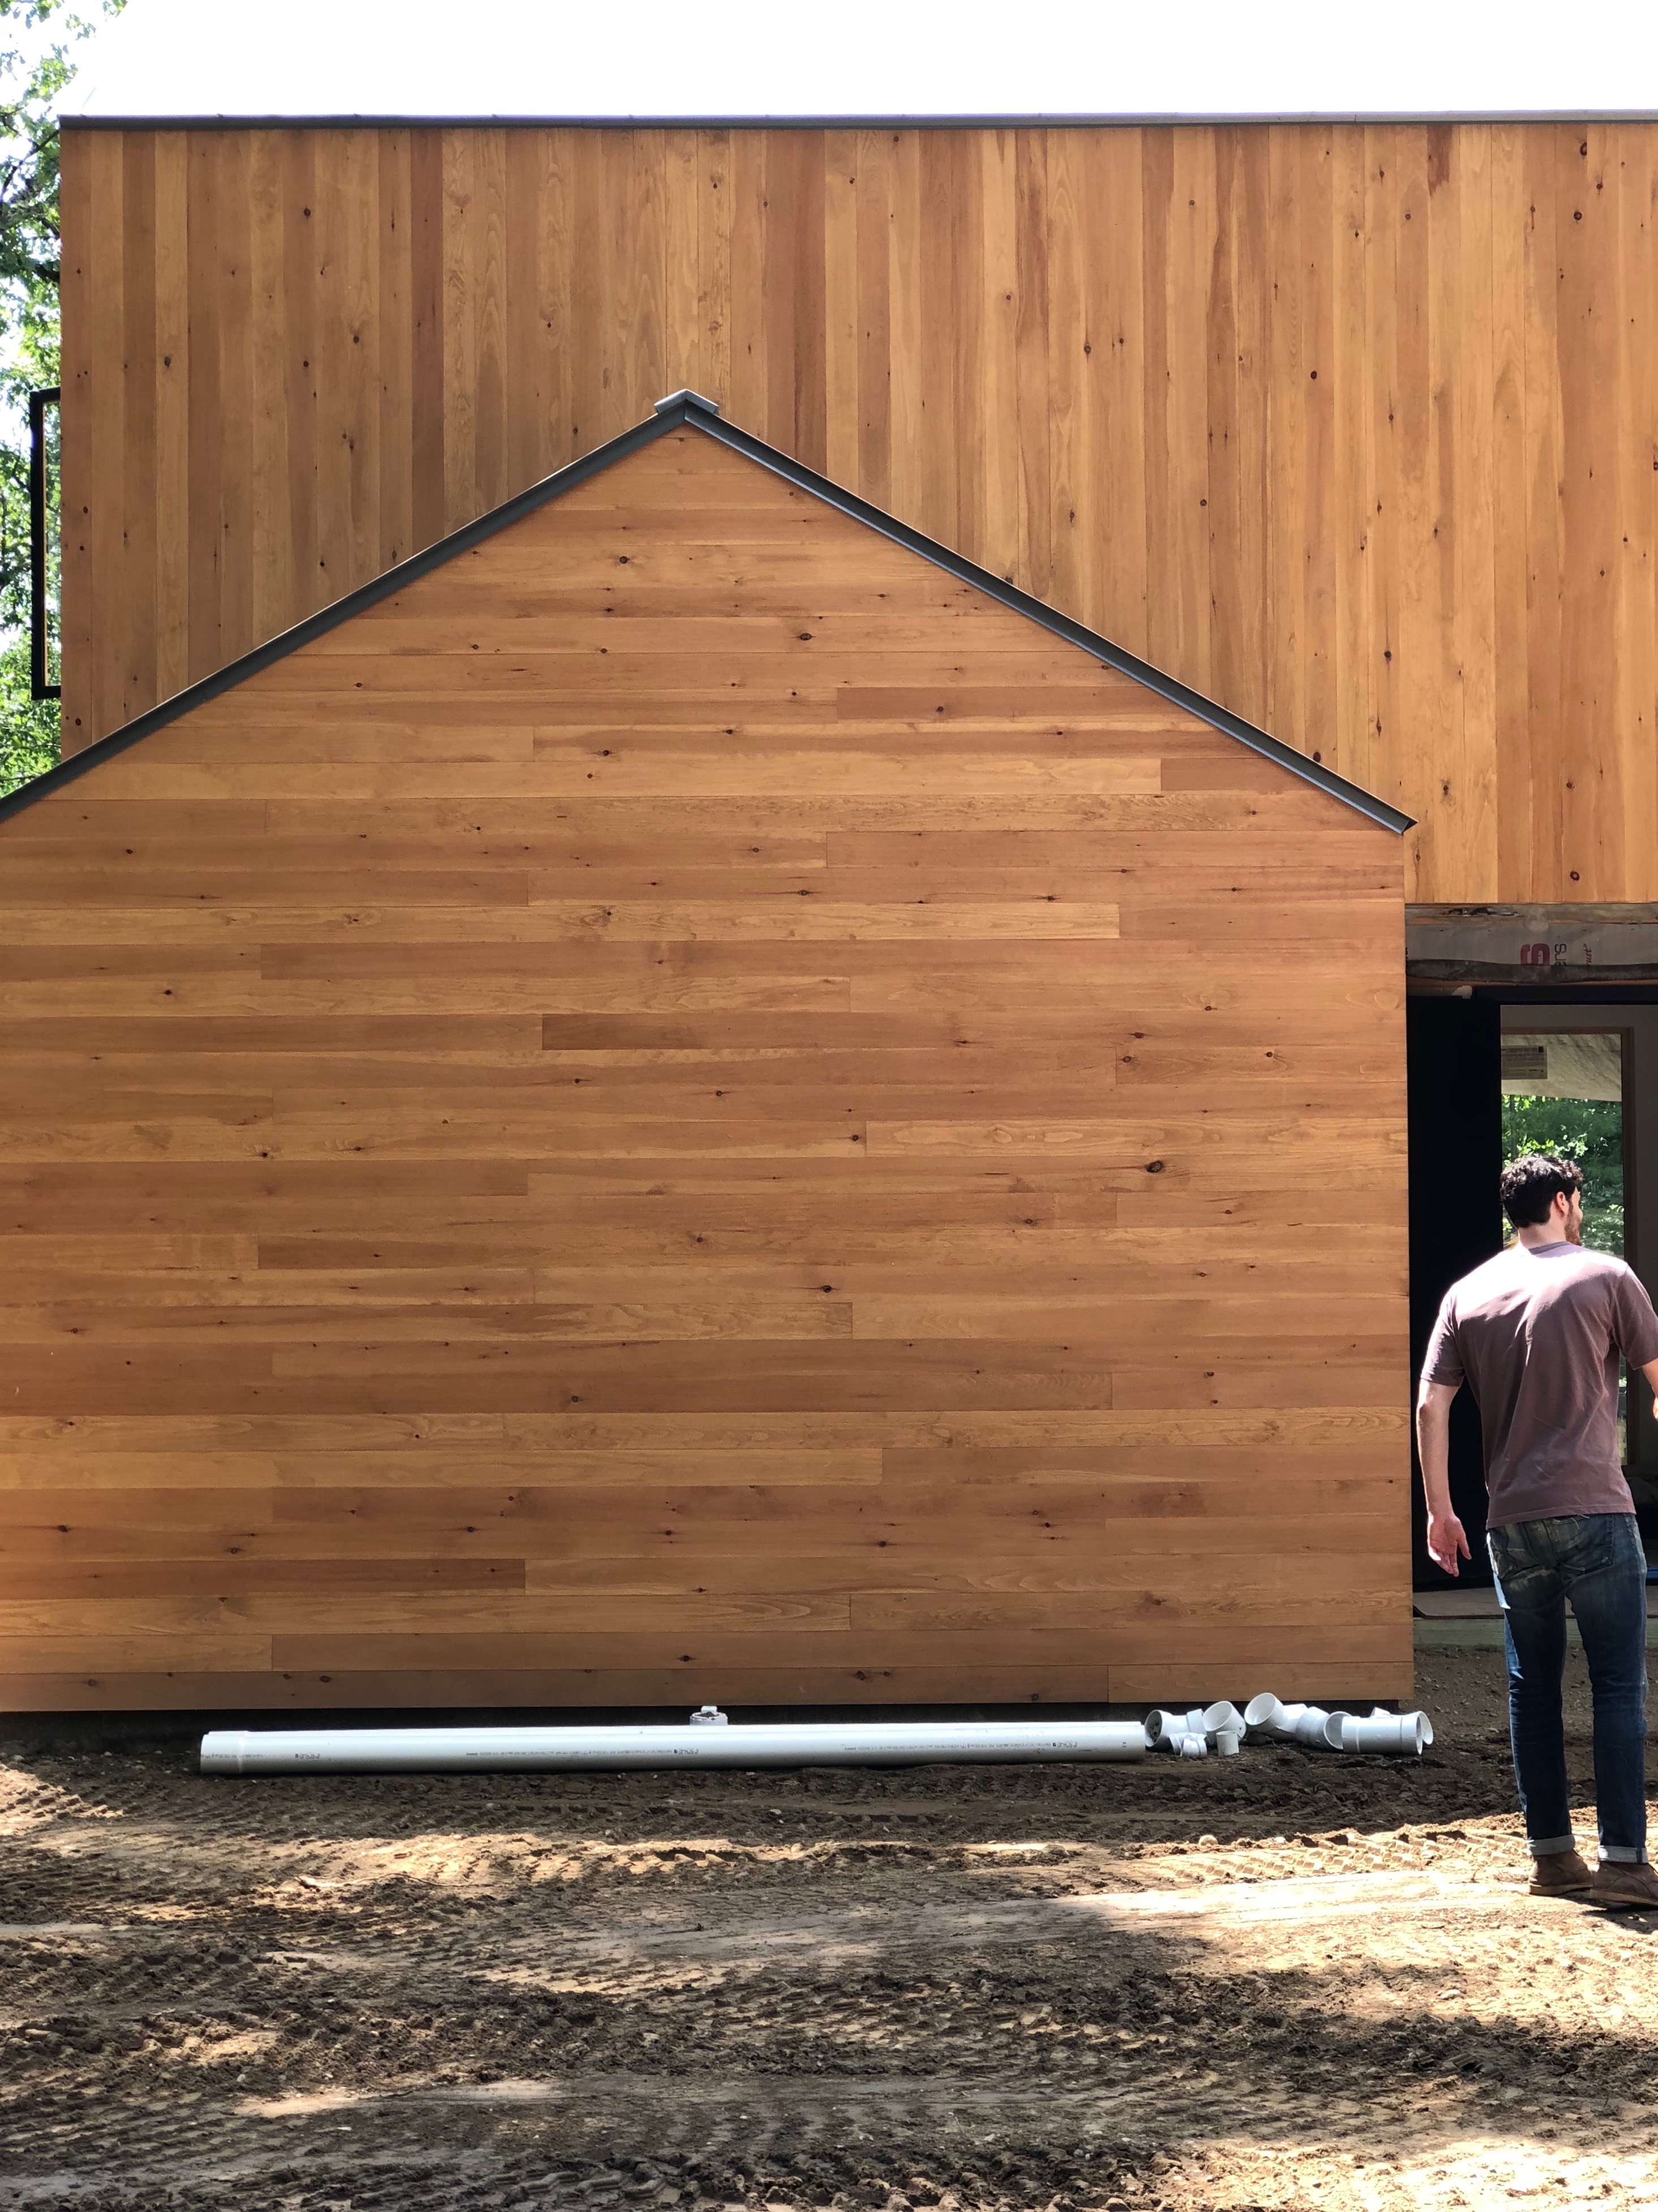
(1051, 120)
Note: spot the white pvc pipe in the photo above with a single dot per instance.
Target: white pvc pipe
(1271, 1718)
(1288, 1724)
(1164, 1730)
(1379, 1731)
(1311, 1724)
(790, 1743)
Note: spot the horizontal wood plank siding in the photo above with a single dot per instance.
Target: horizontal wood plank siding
(605, 1133)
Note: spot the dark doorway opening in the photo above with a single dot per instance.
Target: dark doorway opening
(1453, 1065)
(1456, 1070)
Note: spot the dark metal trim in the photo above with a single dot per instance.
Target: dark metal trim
(38, 403)
(1056, 119)
(684, 408)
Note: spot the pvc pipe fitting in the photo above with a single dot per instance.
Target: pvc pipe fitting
(1228, 1743)
(1164, 1730)
(1191, 1747)
(708, 1743)
(1409, 1733)
(1312, 1725)
(1272, 1717)
(1176, 1724)
(1288, 1723)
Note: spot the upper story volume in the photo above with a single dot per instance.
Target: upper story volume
(1348, 423)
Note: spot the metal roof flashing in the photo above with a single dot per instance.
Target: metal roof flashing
(678, 410)
(975, 119)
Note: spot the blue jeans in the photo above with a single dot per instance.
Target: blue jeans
(1597, 1560)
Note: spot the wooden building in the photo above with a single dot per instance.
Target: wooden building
(1350, 426)
(684, 1096)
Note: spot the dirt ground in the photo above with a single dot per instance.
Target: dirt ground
(1286, 1980)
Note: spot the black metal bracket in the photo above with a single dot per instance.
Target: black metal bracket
(38, 403)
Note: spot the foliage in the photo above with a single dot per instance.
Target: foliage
(37, 39)
(28, 727)
(1588, 1130)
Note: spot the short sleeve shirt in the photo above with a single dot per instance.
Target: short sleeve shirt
(1537, 1333)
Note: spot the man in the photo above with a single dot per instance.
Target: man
(1536, 1333)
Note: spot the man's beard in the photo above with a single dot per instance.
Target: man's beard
(1575, 1230)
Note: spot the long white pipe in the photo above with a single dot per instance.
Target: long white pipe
(790, 1743)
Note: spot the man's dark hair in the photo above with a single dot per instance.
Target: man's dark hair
(1531, 1183)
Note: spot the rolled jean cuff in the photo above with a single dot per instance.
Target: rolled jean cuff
(1620, 1854)
(1548, 1847)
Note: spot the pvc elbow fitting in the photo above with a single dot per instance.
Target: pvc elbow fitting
(1271, 1717)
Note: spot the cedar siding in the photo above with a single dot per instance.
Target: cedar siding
(689, 1107)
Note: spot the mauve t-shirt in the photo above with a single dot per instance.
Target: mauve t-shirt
(1536, 1335)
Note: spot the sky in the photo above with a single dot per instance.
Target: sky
(869, 58)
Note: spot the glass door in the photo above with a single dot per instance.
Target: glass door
(1564, 1092)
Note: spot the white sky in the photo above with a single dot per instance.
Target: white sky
(874, 57)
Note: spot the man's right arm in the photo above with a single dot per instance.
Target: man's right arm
(1446, 1541)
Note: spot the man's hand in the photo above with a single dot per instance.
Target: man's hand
(1446, 1542)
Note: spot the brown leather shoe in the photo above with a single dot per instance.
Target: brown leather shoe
(1560, 1874)
(1624, 1883)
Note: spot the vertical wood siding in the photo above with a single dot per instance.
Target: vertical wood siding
(1353, 428)
(690, 1108)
